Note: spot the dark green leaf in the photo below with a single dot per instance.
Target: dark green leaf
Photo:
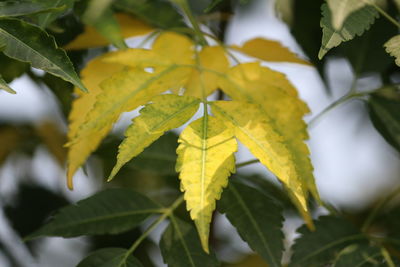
(355, 24)
(306, 28)
(319, 248)
(45, 19)
(155, 12)
(180, 246)
(384, 111)
(389, 221)
(366, 53)
(359, 255)
(28, 43)
(269, 188)
(110, 257)
(22, 8)
(108, 212)
(4, 86)
(160, 157)
(11, 68)
(257, 218)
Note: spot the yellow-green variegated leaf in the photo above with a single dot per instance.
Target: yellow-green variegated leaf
(269, 50)
(393, 48)
(278, 99)
(205, 160)
(130, 86)
(92, 75)
(341, 9)
(256, 130)
(165, 113)
(201, 82)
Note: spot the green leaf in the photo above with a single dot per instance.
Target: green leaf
(359, 255)
(107, 25)
(110, 257)
(393, 48)
(22, 8)
(11, 68)
(109, 212)
(155, 12)
(355, 24)
(366, 53)
(159, 157)
(28, 43)
(180, 246)
(4, 86)
(45, 19)
(165, 113)
(341, 9)
(384, 111)
(95, 10)
(305, 27)
(257, 218)
(318, 248)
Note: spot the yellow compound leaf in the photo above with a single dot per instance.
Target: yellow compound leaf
(212, 58)
(269, 50)
(205, 160)
(90, 38)
(256, 131)
(79, 150)
(277, 98)
(165, 113)
(93, 116)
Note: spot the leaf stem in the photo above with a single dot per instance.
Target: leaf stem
(385, 14)
(352, 93)
(249, 162)
(167, 212)
(183, 4)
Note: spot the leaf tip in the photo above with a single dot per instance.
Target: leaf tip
(70, 177)
(113, 173)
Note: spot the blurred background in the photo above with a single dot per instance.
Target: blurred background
(354, 165)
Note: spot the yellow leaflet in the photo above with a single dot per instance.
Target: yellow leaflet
(257, 131)
(277, 98)
(92, 75)
(269, 50)
(205, 160)
(212, 58)
(91, 38)
(168, 49)
(166, 112)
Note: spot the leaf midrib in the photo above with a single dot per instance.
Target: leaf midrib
(106, 217)
(182, 240)
(254, 223)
